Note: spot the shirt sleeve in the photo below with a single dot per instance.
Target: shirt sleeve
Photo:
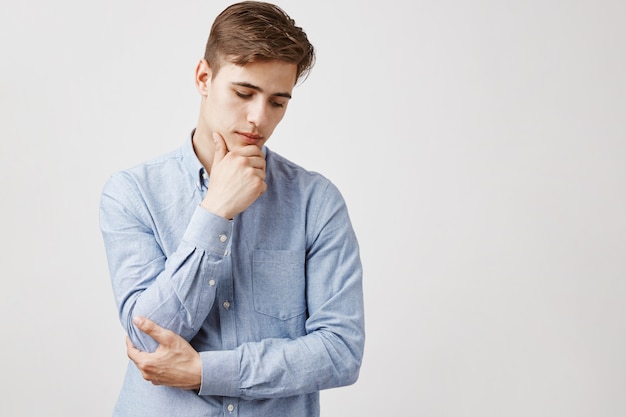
(330, 354)
(173, 291)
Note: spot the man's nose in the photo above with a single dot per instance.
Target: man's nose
(257, 113)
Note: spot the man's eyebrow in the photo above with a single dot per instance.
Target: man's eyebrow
(260, 90)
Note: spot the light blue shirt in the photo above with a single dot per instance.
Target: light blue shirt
(272, 300)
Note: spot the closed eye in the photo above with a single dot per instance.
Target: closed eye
(247, 96)
(243, 95)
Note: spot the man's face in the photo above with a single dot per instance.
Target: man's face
(245, 103)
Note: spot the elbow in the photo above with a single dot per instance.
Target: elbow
(138, 338)
(351, 366)
(352, 371)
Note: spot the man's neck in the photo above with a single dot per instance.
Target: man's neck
(204, 148)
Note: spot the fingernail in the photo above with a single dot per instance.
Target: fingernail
(215, 137)
(138, 321)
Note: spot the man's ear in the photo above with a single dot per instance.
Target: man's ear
(203, 77)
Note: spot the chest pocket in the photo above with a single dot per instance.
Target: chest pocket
(278, 283)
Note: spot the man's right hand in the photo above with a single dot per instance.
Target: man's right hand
(237, 179)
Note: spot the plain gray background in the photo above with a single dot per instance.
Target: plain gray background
(481, 148)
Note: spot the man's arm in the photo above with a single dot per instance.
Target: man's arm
(175, 363)
(330, 353)
(173, 291)
(328, 356)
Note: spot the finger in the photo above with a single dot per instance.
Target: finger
(220, 148)
(261, 174)
(251, 150)
(256, 162)
(131, 350)
(152, 329)
(254, 157)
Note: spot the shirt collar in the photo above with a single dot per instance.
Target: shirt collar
(191, 161)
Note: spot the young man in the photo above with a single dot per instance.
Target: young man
(236, 272)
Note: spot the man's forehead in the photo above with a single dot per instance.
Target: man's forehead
(269, 77)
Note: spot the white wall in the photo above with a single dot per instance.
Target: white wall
(480, 145)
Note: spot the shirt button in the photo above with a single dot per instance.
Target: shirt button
(230, 408)
(223, 238)
(212, 282)
(226, 305)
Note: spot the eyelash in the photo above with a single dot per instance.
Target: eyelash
(245, 96)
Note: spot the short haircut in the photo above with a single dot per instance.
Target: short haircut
(252, 31)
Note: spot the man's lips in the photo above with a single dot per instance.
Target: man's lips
(250, 138)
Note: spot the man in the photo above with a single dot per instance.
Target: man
(236, 272)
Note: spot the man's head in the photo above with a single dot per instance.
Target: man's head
(253, 31)
(254, 58)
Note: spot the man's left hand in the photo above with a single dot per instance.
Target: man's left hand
(175, 363)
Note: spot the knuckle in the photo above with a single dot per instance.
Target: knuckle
(240, 162)
(143, 367)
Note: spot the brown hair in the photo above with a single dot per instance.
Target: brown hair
(252, 31)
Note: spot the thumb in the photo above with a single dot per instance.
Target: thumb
(220, 147)
(152, 329)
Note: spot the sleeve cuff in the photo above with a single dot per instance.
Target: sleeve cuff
(208, 231)
(220, 373)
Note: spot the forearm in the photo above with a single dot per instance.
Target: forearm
(182, 294)
(276, 368)
(329, 354)
(174, 289)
